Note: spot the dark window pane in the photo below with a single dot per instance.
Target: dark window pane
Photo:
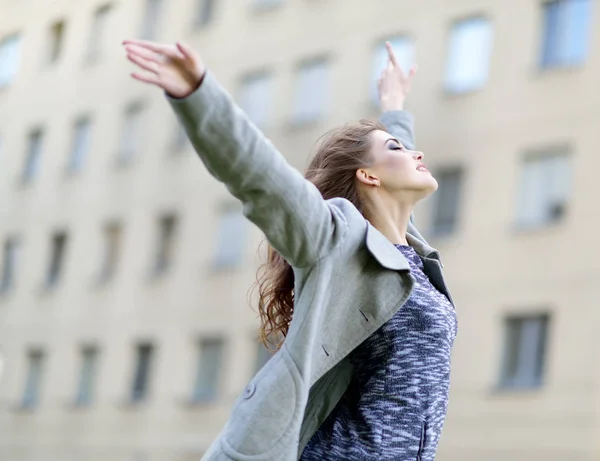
(142, 372)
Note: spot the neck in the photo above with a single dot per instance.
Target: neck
(389, 217)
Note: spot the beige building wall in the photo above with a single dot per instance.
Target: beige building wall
(494, 269)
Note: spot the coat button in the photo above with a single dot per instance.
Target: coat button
(249, 391)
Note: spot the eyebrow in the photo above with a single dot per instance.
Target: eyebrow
(392, 139)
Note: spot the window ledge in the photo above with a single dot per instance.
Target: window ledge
(513, 389)
(265, 6)
(195, 403)
(525, 229)
(130, 404)
(449, 94)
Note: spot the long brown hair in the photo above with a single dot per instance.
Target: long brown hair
(332, 170)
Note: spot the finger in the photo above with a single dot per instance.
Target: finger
(161, 48)
(391, 54)
(147, 78)
(143, 53)
(150, 66)
(186, 51)
(413, 71)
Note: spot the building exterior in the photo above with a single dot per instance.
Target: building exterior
(125, 330)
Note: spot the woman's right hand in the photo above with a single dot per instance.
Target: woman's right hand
(177, 69)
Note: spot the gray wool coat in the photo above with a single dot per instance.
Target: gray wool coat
(349, 278)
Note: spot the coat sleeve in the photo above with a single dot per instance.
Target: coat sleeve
(289, 209)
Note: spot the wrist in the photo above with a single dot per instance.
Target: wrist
(388, 104)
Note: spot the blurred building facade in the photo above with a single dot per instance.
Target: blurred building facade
(125, 330)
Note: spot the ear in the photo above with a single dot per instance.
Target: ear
(367, 178)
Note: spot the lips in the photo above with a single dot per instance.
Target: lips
(421, 167)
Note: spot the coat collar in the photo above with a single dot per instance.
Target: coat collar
(388, 255)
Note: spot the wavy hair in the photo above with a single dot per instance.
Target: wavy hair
(332, 170)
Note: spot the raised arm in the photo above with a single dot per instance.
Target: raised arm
(393, 87)
(276, 197)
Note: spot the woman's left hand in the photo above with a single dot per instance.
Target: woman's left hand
(393, 84)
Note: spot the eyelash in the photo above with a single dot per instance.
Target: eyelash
(397, 148)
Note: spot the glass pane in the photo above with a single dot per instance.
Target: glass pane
(59, 242)
(531, 199)
(34, 377)
(577, 24)
(131, 133)
(255, 98)
(140, 383)
(511, 357)
(10, 55)
(231, 238)
(447, 202)
(33, 155)
(151, 18)
(81, 144)
(552, 34)
(210, 357)
(312, 90)
(87, 376)
(529, 352)
(98, 32)
(112, 242)
(11, 249)
(404, 49)
(205, 11)
(469, 56)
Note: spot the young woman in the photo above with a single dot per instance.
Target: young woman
(352, 286)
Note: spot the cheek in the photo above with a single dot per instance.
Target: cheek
(400, 165)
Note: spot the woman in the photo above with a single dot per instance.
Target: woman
(356, 291)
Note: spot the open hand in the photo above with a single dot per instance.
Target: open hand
(393, 84)
(177, 69)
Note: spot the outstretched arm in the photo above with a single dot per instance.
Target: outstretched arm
(290, 210)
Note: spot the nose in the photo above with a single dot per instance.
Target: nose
(418, 155)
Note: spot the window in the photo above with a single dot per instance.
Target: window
(262, 356)
(112, 247)
(152, 14)
(34, 153)
(524, 351)
(131, 134)
(447, 201)
(57, 32)
(139, 390)
(231, 238)
(31, 393)
(9, 263)
(404, 49)
(255, 98)
(87, 376)
(545, 189)
(210, 362)
(57, 256)
(80, 144)
(10, 55)
(266, 4)
(566, 33)
(166, 243)
(469, 55)
(99, 31)
(312, 91)
(205, 12)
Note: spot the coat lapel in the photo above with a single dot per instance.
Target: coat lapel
(384, 251)
(388, 255)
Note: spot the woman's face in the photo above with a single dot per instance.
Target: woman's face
(399, 169)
